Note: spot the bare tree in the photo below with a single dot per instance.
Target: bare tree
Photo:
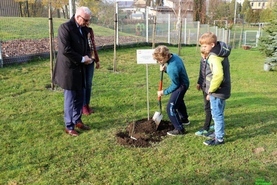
(181, 9)
(199, 11)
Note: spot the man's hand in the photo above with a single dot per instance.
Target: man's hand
(87, 60)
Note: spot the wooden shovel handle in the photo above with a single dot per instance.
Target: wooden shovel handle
(161, 84)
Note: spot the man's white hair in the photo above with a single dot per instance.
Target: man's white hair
(83, 9)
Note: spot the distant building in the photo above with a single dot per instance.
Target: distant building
(186, 5)
(9, 8)
(169, 6)
(125, 4)
(261, 4)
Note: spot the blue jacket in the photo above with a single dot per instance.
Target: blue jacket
(177, 73)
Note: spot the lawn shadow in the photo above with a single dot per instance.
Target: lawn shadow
(246, 124)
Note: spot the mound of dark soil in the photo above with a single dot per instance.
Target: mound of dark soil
(143, 133)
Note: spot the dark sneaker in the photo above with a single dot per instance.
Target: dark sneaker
(201, 132)
(176, 132)
(209, 135)
(213, 142)
(185, 122)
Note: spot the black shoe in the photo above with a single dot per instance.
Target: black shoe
(209, 135)
(176, 132)
(213, 142)
(185, 122)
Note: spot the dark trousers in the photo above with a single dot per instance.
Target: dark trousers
(208, 114)
(89, 71)
(176, 107)
(73, 103)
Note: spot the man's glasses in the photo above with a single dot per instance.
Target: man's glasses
(86, 20)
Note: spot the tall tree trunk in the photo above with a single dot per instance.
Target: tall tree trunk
(58, 13)
(27, 9)
(20, 9)
(66, 12)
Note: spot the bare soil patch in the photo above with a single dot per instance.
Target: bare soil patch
(143, 133)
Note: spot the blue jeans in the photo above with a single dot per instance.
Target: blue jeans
(217, 108)
(89, 71)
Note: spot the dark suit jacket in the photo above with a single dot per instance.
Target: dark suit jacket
(72, 45)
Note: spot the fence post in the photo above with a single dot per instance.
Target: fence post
(168, 29)
(115, 41)
(198, 32)
(154, 32)
(116, 19)
(185, 32)
(1, 59)
(147, 24)
(51, 44)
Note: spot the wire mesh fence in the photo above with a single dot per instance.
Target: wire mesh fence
(25, 38)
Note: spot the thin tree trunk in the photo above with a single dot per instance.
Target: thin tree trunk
(27, 9)
(154, 32)
(20, 9)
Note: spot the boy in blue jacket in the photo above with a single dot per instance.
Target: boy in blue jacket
(176, 107)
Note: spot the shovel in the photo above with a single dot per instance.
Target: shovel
(158, 115)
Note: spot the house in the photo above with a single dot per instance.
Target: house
(261, 4)
(169, 7)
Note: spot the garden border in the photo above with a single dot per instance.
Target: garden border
(26, 58)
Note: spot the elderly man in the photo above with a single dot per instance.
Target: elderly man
(69, 72)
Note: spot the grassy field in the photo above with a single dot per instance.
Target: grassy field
(35, 149)
(37, 28)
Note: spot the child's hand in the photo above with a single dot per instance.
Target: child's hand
(160, 93)
(162, 67)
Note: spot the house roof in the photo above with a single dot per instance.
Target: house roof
(125, 4)
(140, 3)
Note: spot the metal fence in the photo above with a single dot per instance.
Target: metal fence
(20, 43)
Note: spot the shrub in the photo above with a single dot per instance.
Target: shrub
(268, 42)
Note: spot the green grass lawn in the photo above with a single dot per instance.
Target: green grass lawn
(35, 149)
(37, 28)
